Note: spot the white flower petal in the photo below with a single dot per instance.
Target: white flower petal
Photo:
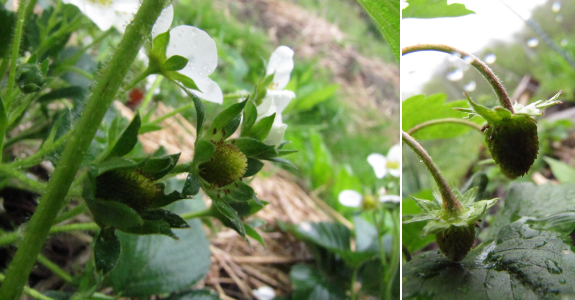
(276, 134)
(118, 13)
(209, 90)
(390, 198)
(394, 172)
(281, 99)
(264, 293)
(281, 65)
(163, 22)
(195, 45)
(266, 108)
(394, 153)
(378, 162)
(350, 198)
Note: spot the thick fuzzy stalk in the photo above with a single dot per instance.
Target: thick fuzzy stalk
(58, 186)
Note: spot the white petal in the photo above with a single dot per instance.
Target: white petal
(390, 198)
(394, 153)
(281, 99)
(195, 45)
(377, 162)
(281, 65)
(209, 90)
(350, 198)
(276, 134)
(266, 108)
(394, 172)
(264, 293)
(163, 22)
(118, 13)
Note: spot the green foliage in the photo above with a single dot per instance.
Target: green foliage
(562, 171)
(386, 16)
(310, 284)
(434, 9)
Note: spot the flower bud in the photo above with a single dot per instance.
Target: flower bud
(30, 78)
(227, 165)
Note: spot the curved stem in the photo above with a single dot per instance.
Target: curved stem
(443, 121)
(54, 268)
(394, 260)
(450, 203)
(478, 64)
(37, 157)
(18, 31)
(85, 130)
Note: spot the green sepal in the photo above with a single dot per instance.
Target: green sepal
(128, 139)
(203, 152)
(217, 130)
(106, 250)
(229, 217)
(112, 163)
(30, 77)
(282, 152)
(262, 128)
(158, 167)
(428, 206)
(185, 80)
(174, 220)
(250, 117)
(254, 148)
(175, 63)
(149, 128)
(109, 213)
(191, 185)
(200, 113)
(152, 227)
(240, 191)
(254, 234)
(247, 208)
(160, 44)
(254, 166)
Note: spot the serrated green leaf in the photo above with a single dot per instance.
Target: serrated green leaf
(386, 16)
(128, 139)
(521, 263)
(434, 9)
(106, 250)
(151, 265)
(562, 171)
(254, 166)
(175, 63)
(262, 128)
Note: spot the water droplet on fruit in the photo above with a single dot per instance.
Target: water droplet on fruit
(552, 267)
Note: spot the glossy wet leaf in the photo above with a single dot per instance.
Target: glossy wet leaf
(522, 263)
(156, 264)
(421, 108)
(434, 9)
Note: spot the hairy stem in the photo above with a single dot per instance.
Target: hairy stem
(478, 64)
(16, 41)
(103, 94)
(450, 203)
(443, 121)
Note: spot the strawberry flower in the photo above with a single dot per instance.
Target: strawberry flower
(108, 13)
(277, 99)
(351, 198)
(198, 48)
(386, 164)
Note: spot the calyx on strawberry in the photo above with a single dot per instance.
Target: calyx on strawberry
(454, 229)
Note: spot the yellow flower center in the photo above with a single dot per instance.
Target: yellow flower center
(369, 203)
(392, 165)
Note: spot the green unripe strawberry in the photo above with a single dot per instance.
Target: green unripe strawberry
(455, 242)
(227, 165)
(513, 144)
(134, 188)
